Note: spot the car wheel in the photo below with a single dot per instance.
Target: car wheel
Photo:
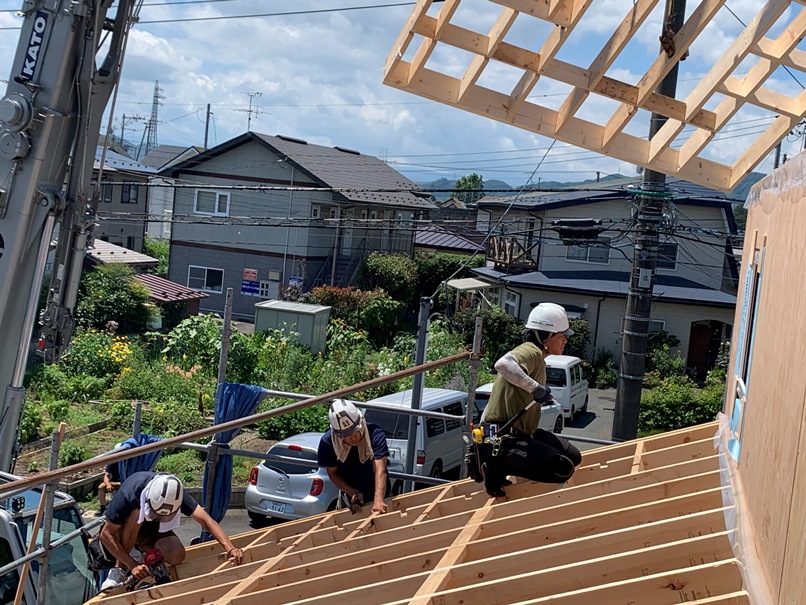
(558, 424)
(332, 506)
(257, 517)
(573, 413)
(584, 407)
(436, 470)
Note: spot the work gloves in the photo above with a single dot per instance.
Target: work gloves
(541, 394)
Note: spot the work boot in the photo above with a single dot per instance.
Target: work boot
(492, 482)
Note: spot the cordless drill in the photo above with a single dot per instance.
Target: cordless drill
(156, 565)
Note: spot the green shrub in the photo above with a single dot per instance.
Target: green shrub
(500, 332)
(71, 453)
(97, 353)
(111, 294)
(196, 341)
(605, 370)
(156, 383)
(394, 273)
(578, 342)
(186, 465)
(171, 418)
(58, 409)
(31, 425)
(373, 311)
(674, 405)
(433, 268)
(312, 418)
(121, 415)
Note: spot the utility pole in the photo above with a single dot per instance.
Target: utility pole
(649, 211)
(207, 126)
(127, 120)
(250, 111)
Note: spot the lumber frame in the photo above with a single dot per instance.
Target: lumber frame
(512, 105)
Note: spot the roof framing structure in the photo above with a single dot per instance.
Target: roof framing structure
(640, 522)
(705, 111)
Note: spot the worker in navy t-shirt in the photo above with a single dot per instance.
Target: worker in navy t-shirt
(355, 454)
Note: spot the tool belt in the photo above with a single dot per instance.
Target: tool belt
(492, 434)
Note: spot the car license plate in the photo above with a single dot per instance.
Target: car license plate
(276, 507)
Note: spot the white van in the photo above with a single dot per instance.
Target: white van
(439, 441)
(551, 414)
(569, 386)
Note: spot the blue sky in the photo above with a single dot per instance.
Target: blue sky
(320, 78)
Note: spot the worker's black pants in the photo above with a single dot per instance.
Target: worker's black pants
(543, 457)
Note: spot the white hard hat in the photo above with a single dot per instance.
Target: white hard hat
(345, 418)
(164, 494)
(549, 317)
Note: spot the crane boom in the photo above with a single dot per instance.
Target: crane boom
(50, 118)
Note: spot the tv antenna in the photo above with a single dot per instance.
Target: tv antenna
(250, 111)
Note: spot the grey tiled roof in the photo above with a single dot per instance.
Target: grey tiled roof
(667, 288)
(348, 169)
(115, 161)
(163, 290)
(105, 253)
(163, 154)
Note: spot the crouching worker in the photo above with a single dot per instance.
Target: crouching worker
(355, 455)
(142, 515)
(522, 449)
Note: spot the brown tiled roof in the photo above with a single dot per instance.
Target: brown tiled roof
(163, 291)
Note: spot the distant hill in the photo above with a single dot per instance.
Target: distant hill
(741, 190)
(442, 188)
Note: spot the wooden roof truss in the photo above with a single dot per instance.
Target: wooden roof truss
(704, 112)
(641, 522)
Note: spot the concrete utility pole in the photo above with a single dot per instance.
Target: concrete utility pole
(207, 126)
(649, 211)
(420, 356)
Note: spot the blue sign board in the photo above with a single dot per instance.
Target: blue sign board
(250, 287)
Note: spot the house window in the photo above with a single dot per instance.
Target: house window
(316, 211)
(214, 203)
(205, 279)
(591, 253)
(129, 193)
(334, 212)
(106, 194)
(511, 300)
(494, 296)
(744, 350)
(667, 256)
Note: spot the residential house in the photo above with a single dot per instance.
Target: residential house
(161, 189)
(268, 211)
(124, 199)
(695, 281)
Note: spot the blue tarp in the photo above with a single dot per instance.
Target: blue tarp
(143, 462)
(232, 401)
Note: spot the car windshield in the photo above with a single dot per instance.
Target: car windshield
(296, 452)
(555, 377)
(482, 399)
(395, 426)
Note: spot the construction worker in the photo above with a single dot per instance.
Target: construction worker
(109, 484)
(355, 454)
(143, 514)
(522, 449)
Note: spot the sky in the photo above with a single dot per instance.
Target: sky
(318, 76)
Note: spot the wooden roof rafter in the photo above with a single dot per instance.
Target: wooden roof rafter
(690, 159)
(641, 521)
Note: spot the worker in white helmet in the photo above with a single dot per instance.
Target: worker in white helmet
(355, 454)
(525, 450)
(143, 514)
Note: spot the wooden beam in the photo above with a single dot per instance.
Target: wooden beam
(441, 576)
(609, 53)
(405, 37)
(637, 466)
(542, 9)
(763, 97)
(769, 49)
(735, 54)
(694, 25)
(765, 143)
(479, 62)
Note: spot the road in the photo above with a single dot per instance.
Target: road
(597, 422)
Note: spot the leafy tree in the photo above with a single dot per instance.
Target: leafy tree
(395, 273)
(578, 343)
(469, 188)
(500, 332)
(159, 249)
(110, 294)
(373, 311)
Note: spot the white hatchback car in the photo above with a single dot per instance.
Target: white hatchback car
(551, 417)
(569, 386)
